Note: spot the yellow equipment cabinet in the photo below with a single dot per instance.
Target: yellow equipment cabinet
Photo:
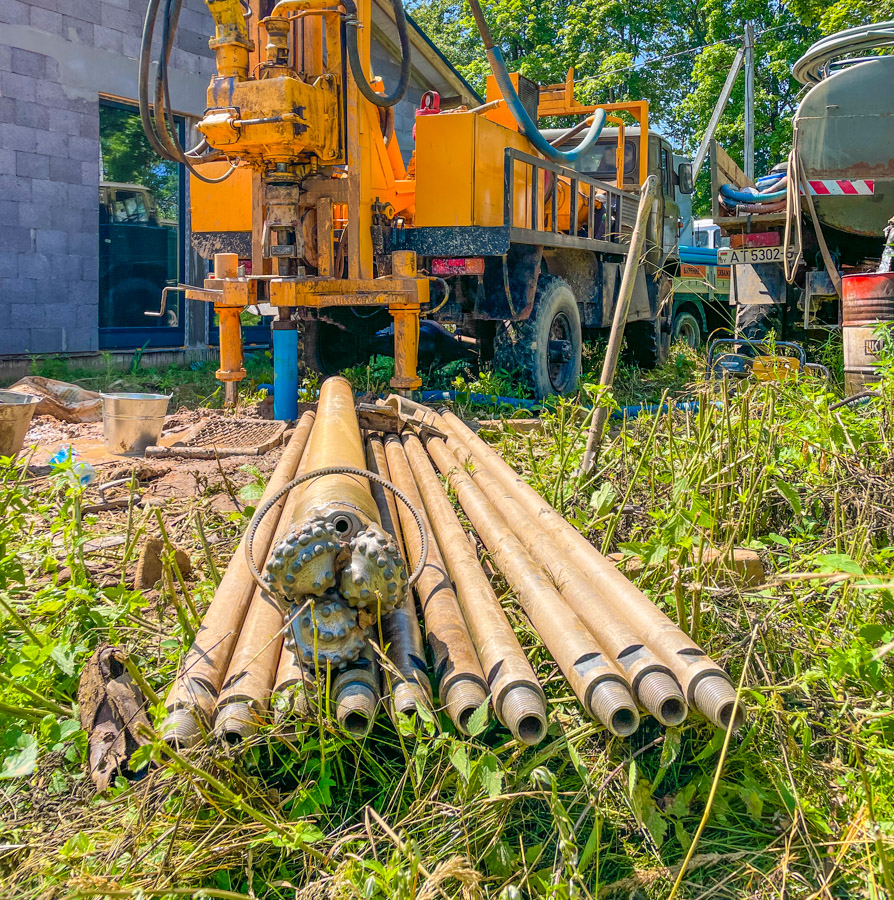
(461, 173)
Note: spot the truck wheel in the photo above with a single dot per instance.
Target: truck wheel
(325, 348)
(687, 328)
(648, 343)
(545, 349)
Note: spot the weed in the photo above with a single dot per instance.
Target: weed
(799, 804)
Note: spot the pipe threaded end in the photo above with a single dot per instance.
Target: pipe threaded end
(523, 712)
(660, 694)
(612, 704)
(181, 729)
(715, 698)
(462, 698)
(407, 696)
(235, 723)
(355, 709)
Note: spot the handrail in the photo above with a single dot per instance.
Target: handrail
(614, 203)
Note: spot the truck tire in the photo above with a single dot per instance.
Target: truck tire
(326, 349)
(544, 349)
(687, 328)
(648, 343)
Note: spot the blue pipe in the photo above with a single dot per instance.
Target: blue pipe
(698, 256)
(481, 399)
(285, 374)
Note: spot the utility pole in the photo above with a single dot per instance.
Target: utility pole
(749, 101)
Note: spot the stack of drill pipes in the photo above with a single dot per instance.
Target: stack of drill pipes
(651, 680)
(400, 628)
(594, 677)
(459, 678)
(249, 683)
(705, 685)
(191, 699)
(517, 697)
(294, 683)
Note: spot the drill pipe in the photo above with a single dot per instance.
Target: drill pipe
(245, 693)
(336, 550)
(336, 441)
(461, 684)
(193, 694)
(517, 696)
(400, 627)
(651, 681)
(705, 685)
(295, 686)
(592, 674)
(355, 693)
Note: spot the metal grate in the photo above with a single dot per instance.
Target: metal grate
(227, 437)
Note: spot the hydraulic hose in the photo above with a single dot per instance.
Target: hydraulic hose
(158, 118)
(383, 101)
(520, 114)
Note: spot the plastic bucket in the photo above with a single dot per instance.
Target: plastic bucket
(133, 422)
(16, 411)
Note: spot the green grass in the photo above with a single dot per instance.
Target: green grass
(804, 803)
(191, 385)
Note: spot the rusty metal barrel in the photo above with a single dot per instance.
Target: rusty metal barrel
(867, 306)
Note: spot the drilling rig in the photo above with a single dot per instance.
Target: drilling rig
(523, 232)
(290, 122)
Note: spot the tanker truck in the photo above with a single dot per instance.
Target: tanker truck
(800, 232)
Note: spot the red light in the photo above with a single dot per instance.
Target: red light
(472, 266)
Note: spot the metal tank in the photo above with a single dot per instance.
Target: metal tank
(845, 128)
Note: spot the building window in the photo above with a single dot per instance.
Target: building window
(141, 240)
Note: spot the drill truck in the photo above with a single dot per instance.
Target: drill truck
(512, 237)
(802, 235)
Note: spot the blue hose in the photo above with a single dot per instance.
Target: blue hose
(480, 399)
(527, 125)
(753, 196)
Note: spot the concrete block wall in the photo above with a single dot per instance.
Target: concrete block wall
(56, 58)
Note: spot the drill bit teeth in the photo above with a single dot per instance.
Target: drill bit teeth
(376, 577)
(325, 631)
(303, 564)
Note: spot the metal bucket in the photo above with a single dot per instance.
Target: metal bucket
(16, 411)
(132, 422)
(867, 301)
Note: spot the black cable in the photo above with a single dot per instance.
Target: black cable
(351, 41)
(157, 118)
(143, 79)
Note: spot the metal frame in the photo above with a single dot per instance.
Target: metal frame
(495, 240)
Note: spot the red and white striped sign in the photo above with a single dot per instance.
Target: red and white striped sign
(831, 187)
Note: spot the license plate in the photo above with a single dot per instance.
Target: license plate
(727, 256)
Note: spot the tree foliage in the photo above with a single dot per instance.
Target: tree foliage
(127, 157)
(675, 54)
